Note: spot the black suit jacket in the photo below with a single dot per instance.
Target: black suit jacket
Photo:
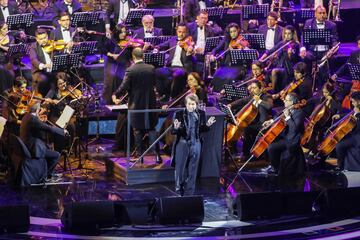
(263, 29)
(114, 8)
(36, 57)
(187, 61)
(353, 59)
(311, 24)
(140, 33)
(294, 129)
(30, 133)
(13, 9)
(193, 31)
(139, 82)
(60, 6)
(57, 33)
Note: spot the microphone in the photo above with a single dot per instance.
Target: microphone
(46, 26)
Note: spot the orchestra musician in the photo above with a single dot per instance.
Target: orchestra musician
(193, 7)
(118, 51)
(226, 74)
(272, 32)
(7, 8)
(148, 29)
(347, 150)
(264, 104)
(179, 63)
(6, 63)
(188, 125)
(139, 83)
(320, 22)
(64, 32)
(31, 133)
(68, 6)
(285, 153)
(197, 86)
(120, 10)
(41, 62)
(259, 73)
(285, 60)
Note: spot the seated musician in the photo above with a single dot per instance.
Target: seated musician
(285, 153)
(226, 74)
(285, 59)
(171, 80)
(68, 6)
(273, 33)
(263, 102)
(7, 8)
(64, 32)
(118, 51)
(41, 62)
(31, 133)
(6, 63)
(148, 29)
(348, 149)
(259, 73)
(120, 10)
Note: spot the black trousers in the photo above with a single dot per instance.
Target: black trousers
(52, 158)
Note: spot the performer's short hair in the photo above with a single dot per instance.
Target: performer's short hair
(356, 95)
(192, 97)
(294, 97)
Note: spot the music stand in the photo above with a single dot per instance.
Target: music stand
(354, 70)
(84, 48)
(216, 14)
(20, 21)
(157, 40)
(81, 19)
(156, 59)
(211, 43)
(258, 12)
(135, 15)
(304, 14)
(242, 57)
(233, 93)
(65, 61)
(317, 36)
(256, 40)
(18, 49)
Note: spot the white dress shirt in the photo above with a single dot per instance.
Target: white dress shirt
(5, 12)
(270, 39)
(320, 48)
(148, 34)
(69, 7)
(176, 62)
(66, 35)
(123, 10)
(200, 42)
(47, 61)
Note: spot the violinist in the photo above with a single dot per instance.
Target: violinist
(41, 62)
(285, 153)
(197, 86)
(118, 59)
(179, 63)
(64, 32)
(258, 73)
(285, 60)
(347, 150)
(264, 104)
(148, 29)
(6, 64)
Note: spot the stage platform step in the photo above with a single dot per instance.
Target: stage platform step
(148, 172)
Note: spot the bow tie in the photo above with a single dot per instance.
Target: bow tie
(66, 30)
(269, 28)
(201, 28)
(320, 24)
(149, 31)
(4, 8)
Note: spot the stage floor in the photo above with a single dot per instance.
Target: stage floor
(47, 203)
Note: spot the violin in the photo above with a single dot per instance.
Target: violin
(186, 43)
(5, 40)
(290, 88)
(27, 99)
(238, 43)
(71, 92)
(54, 46)
(131, 42)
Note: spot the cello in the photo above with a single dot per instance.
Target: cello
(342, 128)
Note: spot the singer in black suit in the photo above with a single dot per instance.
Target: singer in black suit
(285, 153)
(69, 6)
(271, 30)
(179, 63)
(9, 8)
(139, 83)
(31, 133)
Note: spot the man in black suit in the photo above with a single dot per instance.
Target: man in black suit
(148, 29)
(179, 63)
(285, 153)
(139, 83)
(320, 22)
(41, 62)
(120, 9)
(31, 133)
(69, 6)
(271, 30)
(64, 31)
(7, 8)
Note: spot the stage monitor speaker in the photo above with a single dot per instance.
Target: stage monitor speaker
(341, 202)
(14, 218)
(133, 212)
(179, 210)
(88, 215)
(252, 206)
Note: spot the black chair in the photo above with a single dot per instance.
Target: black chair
(25, 170)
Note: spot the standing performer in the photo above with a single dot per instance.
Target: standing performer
(188, 124)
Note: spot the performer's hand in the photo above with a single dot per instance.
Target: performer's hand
(222, 92)
(146, 46)
(156, 50)
(336, 117)
(333, 77)
(66, 133)
(287, 112)
(176, 124)
(210, 121)
(164, 107)
(115, 100)
(302, 53)
(108, 33)
(256, 98)
(267, 123)
(212, 58)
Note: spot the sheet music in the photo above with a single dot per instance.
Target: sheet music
(2, 125)
(117, 107)
(65, 117)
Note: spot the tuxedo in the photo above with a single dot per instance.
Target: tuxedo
(263, 29)
(114, 8)
(12, 8)
(57, 34)
(60, 6)
(140, 33)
